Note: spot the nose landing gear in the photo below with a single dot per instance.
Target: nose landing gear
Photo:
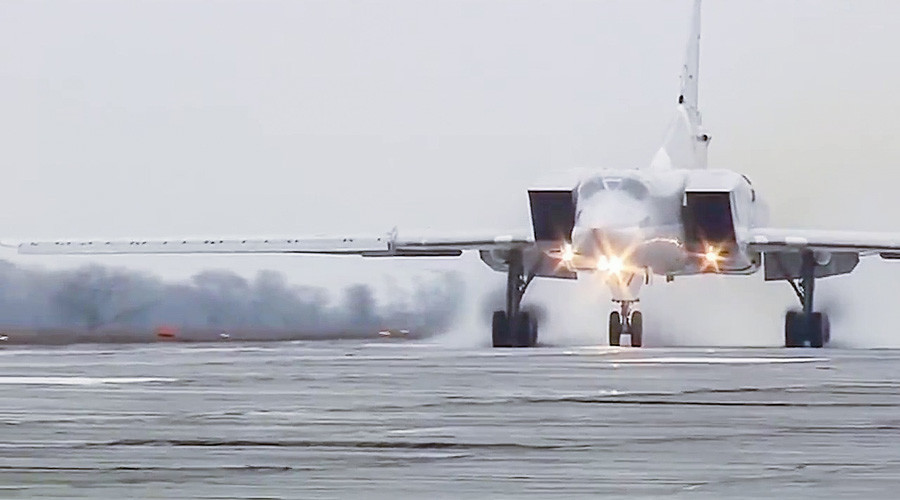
(626, 321)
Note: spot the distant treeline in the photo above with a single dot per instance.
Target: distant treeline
(96, 297)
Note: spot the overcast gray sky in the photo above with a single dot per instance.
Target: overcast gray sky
(155, 118)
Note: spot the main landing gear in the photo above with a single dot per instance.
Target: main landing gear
(626, 321)
(806, 328)
(513, 327)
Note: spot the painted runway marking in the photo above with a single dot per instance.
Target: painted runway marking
(716, 361)
(81, 380)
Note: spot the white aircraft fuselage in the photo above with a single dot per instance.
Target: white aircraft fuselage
(631, 224)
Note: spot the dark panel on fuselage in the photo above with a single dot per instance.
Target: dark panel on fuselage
(552, 215)
(786, 265)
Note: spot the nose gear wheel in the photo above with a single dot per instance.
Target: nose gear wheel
(626, 321)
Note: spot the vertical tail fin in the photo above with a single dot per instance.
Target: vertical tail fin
(686, 141)
(690, 72)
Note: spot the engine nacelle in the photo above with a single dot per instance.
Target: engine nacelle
(708, 220)
(552, 214)
(717, 205)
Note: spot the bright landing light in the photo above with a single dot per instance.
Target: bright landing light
(568, 254)
(612, 265)
(615, 265)
(712, 257)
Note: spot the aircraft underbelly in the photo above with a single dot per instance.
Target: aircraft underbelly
(663, 254)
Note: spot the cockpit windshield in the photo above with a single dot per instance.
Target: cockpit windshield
(633, 187)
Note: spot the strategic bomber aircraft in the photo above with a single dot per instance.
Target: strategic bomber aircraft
(673, 217)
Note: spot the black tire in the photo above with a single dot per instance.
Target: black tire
(637, 329)
(533, 331)
(794, 329)
(801, 330)
(500, 330)
(615, 328)
(523, 330)
(817, 333)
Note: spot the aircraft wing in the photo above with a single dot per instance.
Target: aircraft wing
(389, 245)
(791, 240)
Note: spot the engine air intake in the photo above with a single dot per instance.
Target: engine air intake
(552, 215)
(708, 219)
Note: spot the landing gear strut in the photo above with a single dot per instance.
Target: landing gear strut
(626, 321)
(806, 328)
(513, 327)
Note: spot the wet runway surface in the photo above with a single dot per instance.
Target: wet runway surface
(418, 420)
